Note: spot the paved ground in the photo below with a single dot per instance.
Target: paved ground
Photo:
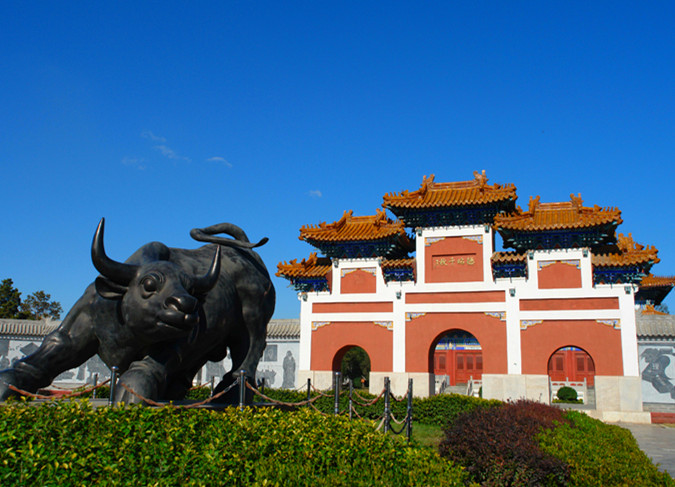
(657, 441)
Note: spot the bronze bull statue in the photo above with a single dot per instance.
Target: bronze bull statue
(160, 316)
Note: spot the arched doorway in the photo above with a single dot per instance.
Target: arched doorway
(353, 363)
(458, 356)
(571, 364)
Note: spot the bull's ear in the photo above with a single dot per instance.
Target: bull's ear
(108, 289)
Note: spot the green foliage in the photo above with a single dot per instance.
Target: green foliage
(498, 446)
(566, 393)
(435, 410)
(36, 306)
(71, 443)
(600, 454)
(102, 392)
(199, 393)
(446, 408)
(39, 305)
(356, 365)
(10, 300)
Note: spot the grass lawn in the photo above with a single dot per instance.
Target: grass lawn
(427, 435)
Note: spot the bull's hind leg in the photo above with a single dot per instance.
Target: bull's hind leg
(238, 345)
(257, 309)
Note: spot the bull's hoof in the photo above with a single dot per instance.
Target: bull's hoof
(7, 378)
(135, 387)
(232, 396)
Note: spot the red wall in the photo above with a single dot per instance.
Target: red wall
(423, 331)
(358, 281)
(466, 297)
(454, 259)
(602, 342)
(329, 339)
(569, 303)
(559, 274)
(379, 307)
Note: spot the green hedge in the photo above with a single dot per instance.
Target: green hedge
(600, 454)
(529, 443)
(435, 410)
(71, 443)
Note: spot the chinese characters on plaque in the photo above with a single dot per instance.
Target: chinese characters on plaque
(454, 260)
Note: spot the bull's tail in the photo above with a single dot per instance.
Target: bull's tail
(240, 238)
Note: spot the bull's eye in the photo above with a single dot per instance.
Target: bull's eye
(150, 283)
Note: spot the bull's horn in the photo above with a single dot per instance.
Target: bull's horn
(204, 284)
(117, 272)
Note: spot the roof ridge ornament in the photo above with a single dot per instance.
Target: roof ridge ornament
(534, 203)
(481, 179)
(346, 216)
(427, 184)
(577, 202)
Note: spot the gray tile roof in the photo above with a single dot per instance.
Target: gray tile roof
(279, 329)
(27, 328)
(289, 329)
(654, 326)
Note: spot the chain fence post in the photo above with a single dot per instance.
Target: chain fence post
(336, 392)
(351, 400)
(309, 388)
(93, 393)
(409, 412)
(387, 404)
(113, 384)
(242, 389)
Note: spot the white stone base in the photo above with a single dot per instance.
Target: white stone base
(643, 417)
(423, 383)
(513, 387)
(618, 393)
(321, 379)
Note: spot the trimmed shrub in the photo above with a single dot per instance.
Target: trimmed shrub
(566, 393)
(199, 393)
(600, 454)
(437, 410)
(498, 446)
(71, 443)
(444, 409)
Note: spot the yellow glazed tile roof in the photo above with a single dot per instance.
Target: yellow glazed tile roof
(439, 195)
(354, 228)
(313, 266)
(555, 216)
(626, 252)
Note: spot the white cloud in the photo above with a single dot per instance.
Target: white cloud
(169, 153)
(149, 135)
(315, 193)
(221, 160)
(137, 162)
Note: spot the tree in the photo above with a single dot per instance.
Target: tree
(39, 306)
(356, 365)
(10, 300)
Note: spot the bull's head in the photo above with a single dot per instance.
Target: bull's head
(159, 300)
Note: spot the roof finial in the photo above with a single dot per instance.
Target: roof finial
(426, 183)
(577, 202)
(480, 178)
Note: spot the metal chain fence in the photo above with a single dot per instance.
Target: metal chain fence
(354, 399)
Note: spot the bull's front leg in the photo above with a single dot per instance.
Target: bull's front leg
(144, 379)
(61, 350)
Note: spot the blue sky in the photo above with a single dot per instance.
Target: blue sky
(164, 116)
